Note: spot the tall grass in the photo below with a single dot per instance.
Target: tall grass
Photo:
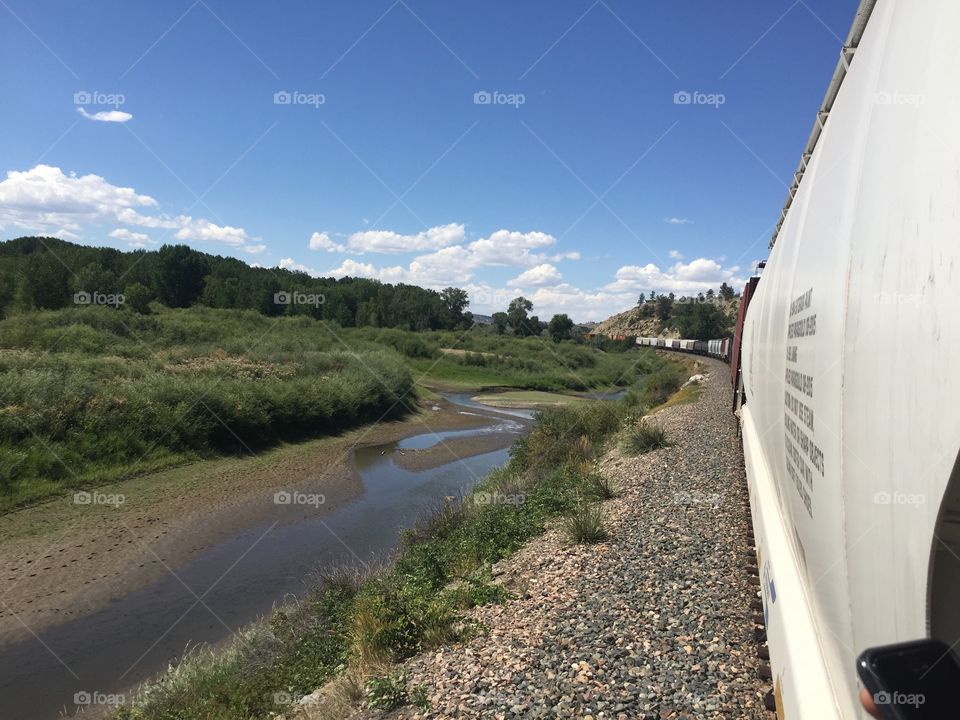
(92, 395)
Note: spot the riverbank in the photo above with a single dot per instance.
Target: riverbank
(62, 560)
(654, 622)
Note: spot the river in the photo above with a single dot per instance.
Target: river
(233, 583)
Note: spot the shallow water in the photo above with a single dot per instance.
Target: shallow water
(234, 582)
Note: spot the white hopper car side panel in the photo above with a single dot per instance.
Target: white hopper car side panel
(851, 429)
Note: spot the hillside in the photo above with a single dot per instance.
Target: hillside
(681, 314)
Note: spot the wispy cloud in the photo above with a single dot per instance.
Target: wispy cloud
(117, 116)
(677, 221)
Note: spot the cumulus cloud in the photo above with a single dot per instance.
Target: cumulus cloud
(206, 231)
(545, 274)
(453, 264)
(134, 239)
(675, 255)
(696, 276)
(322, 241)
(46, 200)
(677, 221)
(388, 241)
(117, 116)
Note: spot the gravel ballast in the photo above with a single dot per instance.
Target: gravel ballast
(655, 622)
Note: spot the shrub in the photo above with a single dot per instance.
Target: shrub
(584, 524)
(642, 438)
(386, 693)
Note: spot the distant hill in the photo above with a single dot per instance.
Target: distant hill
(710, 317)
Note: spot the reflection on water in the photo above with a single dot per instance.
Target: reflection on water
(232, 583)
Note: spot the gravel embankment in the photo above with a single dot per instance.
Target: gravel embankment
(654, 623)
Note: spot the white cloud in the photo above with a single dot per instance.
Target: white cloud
(106, 115)
(45, 200)
(677, 221)
(675, 255)
(545, 274)
(696, 276)
(134, 239)
(322, 241)
(387, 241)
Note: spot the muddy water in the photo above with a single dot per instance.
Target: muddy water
(231, 584)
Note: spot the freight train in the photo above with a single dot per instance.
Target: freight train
(844, 363)
(719, 349)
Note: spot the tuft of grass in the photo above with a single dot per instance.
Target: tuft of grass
(585, 523)
(603, 486)
(642, 438)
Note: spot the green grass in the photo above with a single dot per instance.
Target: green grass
(642, 438)
(92, 395)
(584, 523)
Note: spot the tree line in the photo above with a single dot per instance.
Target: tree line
(49, 273)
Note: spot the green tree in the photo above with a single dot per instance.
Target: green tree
(664, 308)
(93, 277)
(500, 322)
(455, 302)
(701, 321)
(45, 282)
(180, 275)
(560, 327)
(137, 297)
(726, 292)
(517, 315)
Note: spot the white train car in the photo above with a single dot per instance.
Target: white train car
(851, 431)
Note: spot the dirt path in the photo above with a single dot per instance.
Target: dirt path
(61, 559)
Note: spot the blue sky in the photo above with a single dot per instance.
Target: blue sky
(536, 148)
